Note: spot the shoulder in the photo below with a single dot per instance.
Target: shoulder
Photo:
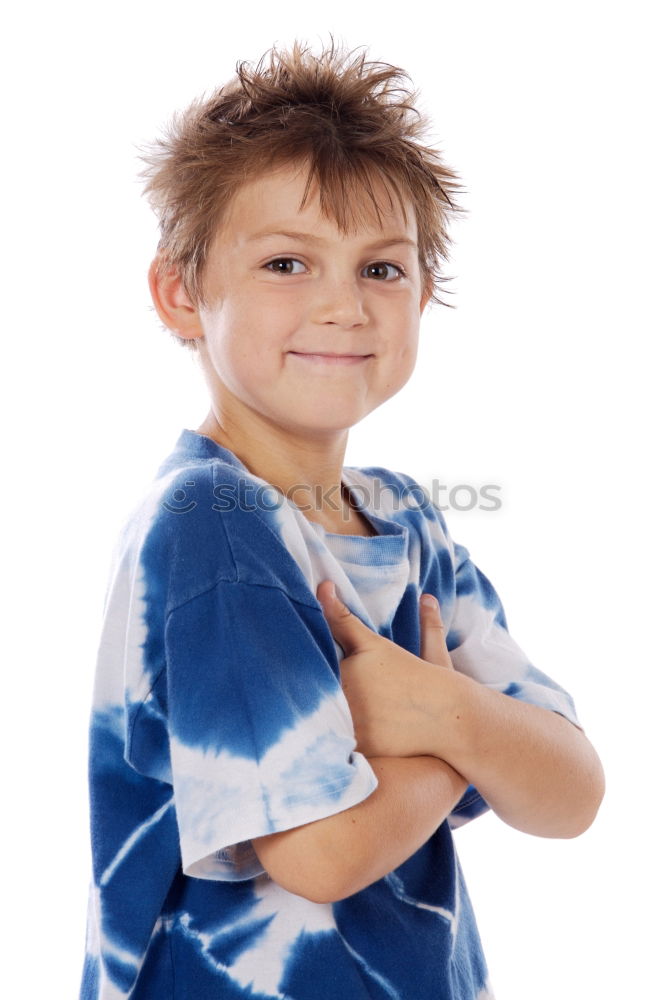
(208, 522)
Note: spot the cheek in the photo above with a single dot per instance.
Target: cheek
(250, 358)
(407, 351)
(231, 337)
(404, 360)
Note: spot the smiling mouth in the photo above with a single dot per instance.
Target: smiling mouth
(328, 358)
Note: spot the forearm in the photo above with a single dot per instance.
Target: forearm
(335, 857)
(536, 770)
(414, 796)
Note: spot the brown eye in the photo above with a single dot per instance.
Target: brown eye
(381, 270)
(283, 265)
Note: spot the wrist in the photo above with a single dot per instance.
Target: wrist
(448, 714)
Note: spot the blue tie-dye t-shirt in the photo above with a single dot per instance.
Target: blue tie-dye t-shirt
(219, 717)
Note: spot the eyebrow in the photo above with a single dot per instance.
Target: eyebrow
(389, 241)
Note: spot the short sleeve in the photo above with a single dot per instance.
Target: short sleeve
(481, 647)
(260, 735)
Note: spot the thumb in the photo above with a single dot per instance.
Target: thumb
(432, 633)
(351, 633)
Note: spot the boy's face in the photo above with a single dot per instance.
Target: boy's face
(308, 330)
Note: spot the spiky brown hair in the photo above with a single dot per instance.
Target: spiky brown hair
(351, 120)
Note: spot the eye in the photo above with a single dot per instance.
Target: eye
(287, 263)
(380, 267)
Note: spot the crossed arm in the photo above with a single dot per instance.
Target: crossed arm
(428, 732)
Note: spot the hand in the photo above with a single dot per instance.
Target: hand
(386, 686)
(433, 647)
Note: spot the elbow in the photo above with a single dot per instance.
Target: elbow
(332, 893)
(298, 870)
(324, 894)
(315, 890)
(568, 814)
(318, 890)
(308, 888)
(579, 820)
(595, 791)
(594, 798)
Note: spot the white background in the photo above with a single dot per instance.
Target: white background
(544, 379)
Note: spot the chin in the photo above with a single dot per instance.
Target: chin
(319, 428)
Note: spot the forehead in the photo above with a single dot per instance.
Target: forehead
(274, 201)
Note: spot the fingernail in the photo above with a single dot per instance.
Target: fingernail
(430, 601)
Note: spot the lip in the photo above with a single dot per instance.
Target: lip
(331, 359)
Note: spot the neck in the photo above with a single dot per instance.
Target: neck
(307, 471)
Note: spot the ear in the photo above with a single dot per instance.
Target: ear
(174, 306)
(427, 292)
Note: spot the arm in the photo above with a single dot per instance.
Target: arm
(337, 856)
(538, 772)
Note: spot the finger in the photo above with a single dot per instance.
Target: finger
(432, 633)
(351, 634)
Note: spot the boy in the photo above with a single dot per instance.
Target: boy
(275, 770)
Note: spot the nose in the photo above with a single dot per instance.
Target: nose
(340, 302)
